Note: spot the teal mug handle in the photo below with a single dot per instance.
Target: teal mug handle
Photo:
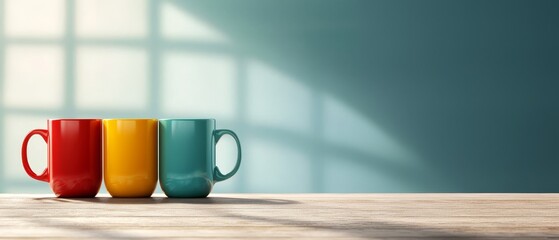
(218, 176)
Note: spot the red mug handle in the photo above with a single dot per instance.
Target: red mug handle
(45, 175)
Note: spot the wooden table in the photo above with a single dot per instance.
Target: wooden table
(242, 216)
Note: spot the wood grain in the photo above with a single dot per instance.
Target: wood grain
(300, 216)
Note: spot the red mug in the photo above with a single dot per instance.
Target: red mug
(74, 157)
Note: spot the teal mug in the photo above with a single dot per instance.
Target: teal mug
(187, 167)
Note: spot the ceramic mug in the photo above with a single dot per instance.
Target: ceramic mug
(130, 156)
(187, 166)
(74, 156)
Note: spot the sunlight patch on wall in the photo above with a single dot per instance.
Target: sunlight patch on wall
(111, 18)
(274, 167)
(34, 18)
(226, 156)
(111, 78)
(226, 153)
(179, 24)
(199, 85)
(346, 127)
(276, 100)
(14, 131)
(33, 76)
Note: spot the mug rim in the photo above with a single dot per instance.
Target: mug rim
(74, 119)
(130, 119)
(187, 119)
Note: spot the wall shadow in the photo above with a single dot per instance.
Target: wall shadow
(468, 86)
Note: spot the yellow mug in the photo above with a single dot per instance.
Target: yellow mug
(130, 156)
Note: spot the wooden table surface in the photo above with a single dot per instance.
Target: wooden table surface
(319, 216)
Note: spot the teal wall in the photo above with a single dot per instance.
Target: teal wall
(326, 96)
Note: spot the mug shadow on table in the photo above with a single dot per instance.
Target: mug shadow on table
(164, 200)
(350, 228)
(104, 233)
